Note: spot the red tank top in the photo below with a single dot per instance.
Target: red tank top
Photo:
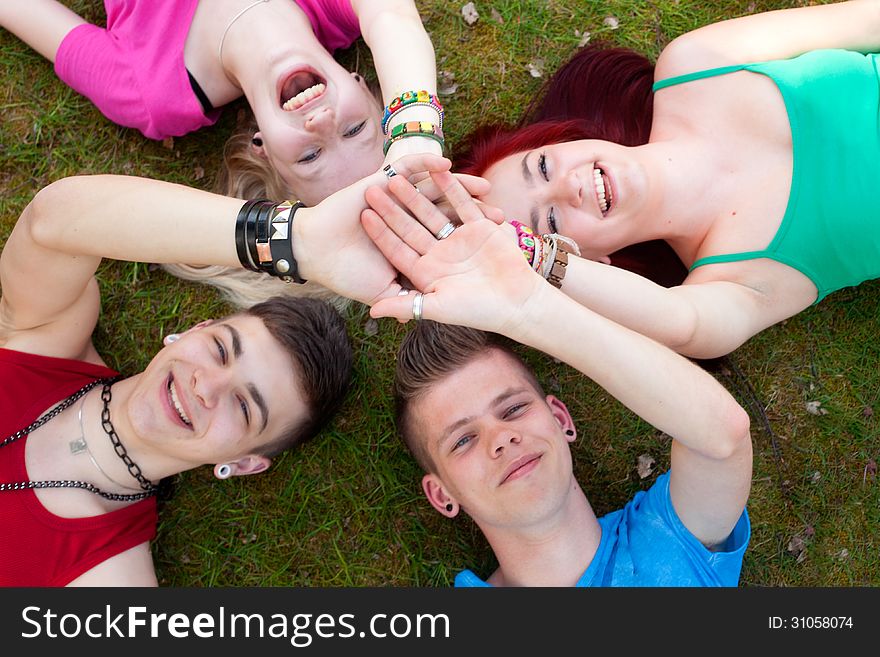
(38, 548)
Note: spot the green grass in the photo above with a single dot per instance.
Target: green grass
(346, 510)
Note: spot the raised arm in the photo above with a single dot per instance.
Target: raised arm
(404, 59)
(853, 25)
(477, 277)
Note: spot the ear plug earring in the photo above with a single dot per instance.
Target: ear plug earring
(449, 508)
(569, 432)
(172, 337)
(224, 471)
(256, 141)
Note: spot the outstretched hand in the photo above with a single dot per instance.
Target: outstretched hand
(476, 276)
(331, 246)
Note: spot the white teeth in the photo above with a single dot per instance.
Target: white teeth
(303, 97)
(176, 403)
(604, 203)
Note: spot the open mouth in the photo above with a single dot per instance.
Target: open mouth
(175, 402)
(603, 190)
(301, 88)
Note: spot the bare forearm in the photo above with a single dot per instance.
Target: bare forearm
(128, 218)
(630, 300)
(659, 385)
(785, 33)
(402, 54)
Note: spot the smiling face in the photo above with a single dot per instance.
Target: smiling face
(581, 189)
(222, 391)
(319, 129)
(497, 444)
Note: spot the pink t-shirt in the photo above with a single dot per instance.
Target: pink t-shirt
(134, 72)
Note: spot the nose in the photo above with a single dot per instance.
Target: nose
(568, 190)
(208, 384)
(321, 121)
(504, 438)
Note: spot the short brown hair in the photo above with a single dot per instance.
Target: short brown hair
(314, 335)
(428, 354)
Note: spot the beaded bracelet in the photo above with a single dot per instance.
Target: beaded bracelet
(526, 239)
(263, 238)
(414, 129)
(409, 99)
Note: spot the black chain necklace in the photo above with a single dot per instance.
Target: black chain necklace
(149, 488)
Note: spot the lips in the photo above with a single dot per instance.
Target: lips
(300, 88)
(175, 403)
(520, 467)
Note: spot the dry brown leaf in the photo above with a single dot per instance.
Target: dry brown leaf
(371, 327)
(198, 173)
(168, 143)
(585, 37)
(815, 408)
(536, 68)
(645, 465)
(611, 22)
(446, 85)
(469, 12)
(497, 17)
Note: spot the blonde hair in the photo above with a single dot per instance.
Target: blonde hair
(246, 175)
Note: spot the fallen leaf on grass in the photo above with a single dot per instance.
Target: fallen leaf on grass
(867, 412)
(198, 173)
(611, 22)
(446, 85)
(585, 37)
(536, 68)
(371, 327)
(645, 465)
(815, 408)
(497, 17)
(469, 12)
(168, 143)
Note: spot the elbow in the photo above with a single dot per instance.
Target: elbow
(49, 212)
(734, 439)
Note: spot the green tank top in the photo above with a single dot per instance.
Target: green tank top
(830, 231)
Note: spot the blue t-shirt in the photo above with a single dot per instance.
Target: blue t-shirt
(645, 544)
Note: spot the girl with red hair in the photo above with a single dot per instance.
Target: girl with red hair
(755, 159)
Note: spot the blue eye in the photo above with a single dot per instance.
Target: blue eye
(311, 156)
(461, 442)
(355, 130)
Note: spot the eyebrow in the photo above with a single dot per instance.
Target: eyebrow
(449, 430)
(258, 398)
(530, 182)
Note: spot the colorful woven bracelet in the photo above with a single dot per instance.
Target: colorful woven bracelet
(526, 240)
(414, 129)
(407, 99)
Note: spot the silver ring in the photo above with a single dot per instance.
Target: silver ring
(417, 306)
(389, 171)
(403, 292)
(445, 231)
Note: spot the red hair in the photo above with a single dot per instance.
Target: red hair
(600, 93)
